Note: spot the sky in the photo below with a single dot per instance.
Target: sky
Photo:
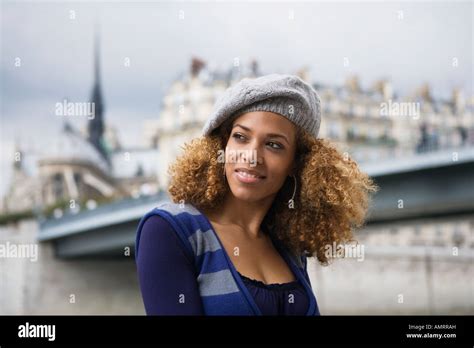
(409, 43)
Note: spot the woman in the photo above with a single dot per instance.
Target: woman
(235, 239)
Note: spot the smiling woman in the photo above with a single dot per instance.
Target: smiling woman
(246, 224)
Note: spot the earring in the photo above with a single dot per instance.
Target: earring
(291, 202)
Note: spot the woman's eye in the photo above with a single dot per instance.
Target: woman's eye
(278, 146)
(238, 136)
(274, 146)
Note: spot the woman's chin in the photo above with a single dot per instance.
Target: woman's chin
(246, 194)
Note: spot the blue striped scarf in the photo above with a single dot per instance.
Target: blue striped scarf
(220, 286)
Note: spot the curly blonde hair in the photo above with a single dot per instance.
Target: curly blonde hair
(332, 196)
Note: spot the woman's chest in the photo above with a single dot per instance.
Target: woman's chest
(256, 258)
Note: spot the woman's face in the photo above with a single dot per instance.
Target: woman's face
(269, 140)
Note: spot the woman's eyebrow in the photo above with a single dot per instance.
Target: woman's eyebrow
(274, 135)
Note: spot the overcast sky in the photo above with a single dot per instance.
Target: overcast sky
(56, 53)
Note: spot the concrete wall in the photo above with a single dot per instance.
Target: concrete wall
(45, 287)
(443, 284)
(396, 280)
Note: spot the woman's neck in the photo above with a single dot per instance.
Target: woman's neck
(246, 216)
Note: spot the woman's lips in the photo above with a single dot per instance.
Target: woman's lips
(247, 179)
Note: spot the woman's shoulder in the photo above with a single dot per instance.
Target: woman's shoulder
(183, 219)
(177, 208)
(154, 226)
(157, 222)
(158, 231)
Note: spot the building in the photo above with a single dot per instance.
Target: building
(375, 123)
(81, 168)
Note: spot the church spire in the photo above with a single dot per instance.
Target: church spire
(97, 58)
(96, 125)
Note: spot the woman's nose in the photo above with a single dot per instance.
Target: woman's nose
(252, 157)
(251, 152)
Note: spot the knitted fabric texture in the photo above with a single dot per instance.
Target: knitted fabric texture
(284, 94)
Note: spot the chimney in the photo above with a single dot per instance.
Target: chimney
(196, 66)
(303, 73)
(384, 87)
(425, 93)
(352, 83)
(457, 100)
(254, 68)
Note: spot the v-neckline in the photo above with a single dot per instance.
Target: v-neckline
(294, 268)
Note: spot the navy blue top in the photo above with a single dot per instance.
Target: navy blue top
(168, 279)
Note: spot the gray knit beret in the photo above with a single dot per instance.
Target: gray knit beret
(287, 95)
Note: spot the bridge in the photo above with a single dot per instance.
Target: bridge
(432, 184)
